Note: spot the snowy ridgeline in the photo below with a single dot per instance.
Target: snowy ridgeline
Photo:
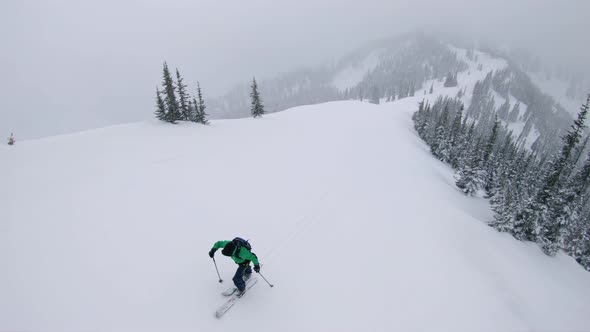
(355, 223)
(415, 65)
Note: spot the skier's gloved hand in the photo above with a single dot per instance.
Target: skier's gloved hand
(257, 268)
(212, 252)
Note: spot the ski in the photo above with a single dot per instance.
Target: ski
(233, 289)
(234, 297)
(229, 291)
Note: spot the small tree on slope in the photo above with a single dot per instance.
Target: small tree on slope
(11, 139)
(183, 98)
(200, 106)
(160, 106)
(172, 108)
(257, 109)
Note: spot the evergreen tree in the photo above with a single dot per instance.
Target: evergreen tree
(503, 207)
(489, 161)
(431, 89)
(552, 217)
(192, 110)
(579, 152)
(525, 221)
(491, 142)
(172, 109)
(200, 106)
(160, 106)
(257, 109)
(422, 119)
(505, 201)
(456, 139)
(440, 146)
(11, 139)
(183, 98)
(419, 118)
(583, 254)
(469, 175)
(576, 203)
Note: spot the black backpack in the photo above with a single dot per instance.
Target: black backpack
(239, 243)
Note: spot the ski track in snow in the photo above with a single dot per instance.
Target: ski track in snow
(358, 227)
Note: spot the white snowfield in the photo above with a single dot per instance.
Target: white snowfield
(356, 225)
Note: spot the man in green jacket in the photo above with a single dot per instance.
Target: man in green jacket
(240, 251)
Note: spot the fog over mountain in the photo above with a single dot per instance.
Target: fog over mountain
(73, 65)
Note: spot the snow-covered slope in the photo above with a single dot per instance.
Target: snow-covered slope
(358, 227)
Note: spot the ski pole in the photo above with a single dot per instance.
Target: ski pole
(220, 280)
(271, 285)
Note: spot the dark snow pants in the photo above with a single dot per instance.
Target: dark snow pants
(243, 269)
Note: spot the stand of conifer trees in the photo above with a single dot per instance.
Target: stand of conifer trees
(540, 198)
(173, 103)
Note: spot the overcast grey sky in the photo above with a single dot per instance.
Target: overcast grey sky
(68, 65)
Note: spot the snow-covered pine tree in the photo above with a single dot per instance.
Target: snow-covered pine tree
(584, 251)
(503, 206)
(509, 182)
(192, 111)
(525, 221)
(577, 156)
(576, 198)
(577, 205)
(490, 164)
(418, 118)
(469, 174)
(197, 115)
(456, 145)
(256, 108)
(424, 122)
(200, 106)
(552, 213)
(463, 143)
(160, 106)
(440, 146)
(172, 109)
(183, 98)
(11, 139)
(434, 113)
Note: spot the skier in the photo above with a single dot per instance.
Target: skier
(240, 251)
